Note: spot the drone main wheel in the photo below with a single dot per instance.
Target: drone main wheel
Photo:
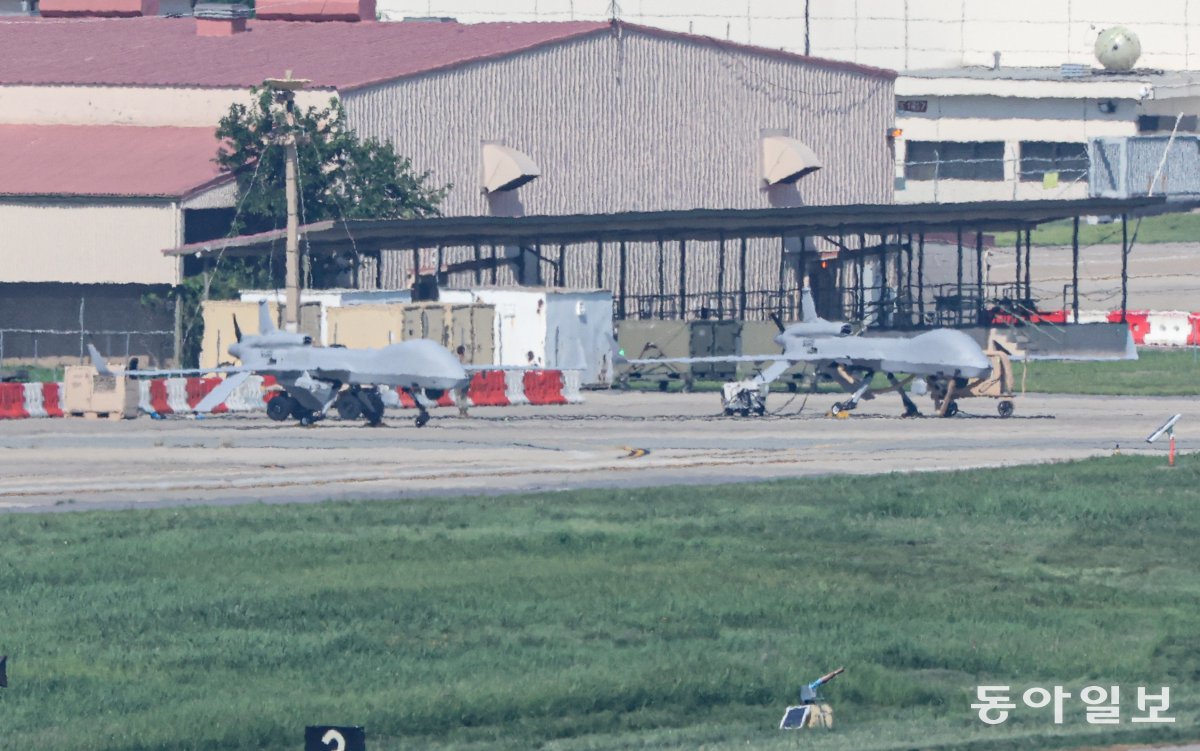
(952, 409)
(280, 407)
(1005, 408)
(374, 415)
(348, 407)
(422, 419)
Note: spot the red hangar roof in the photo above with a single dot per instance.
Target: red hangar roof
(107, 160)
(160, 51)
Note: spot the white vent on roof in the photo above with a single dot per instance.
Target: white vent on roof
(506, 169)
(786, 160)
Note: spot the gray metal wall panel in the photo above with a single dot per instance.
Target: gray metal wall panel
(1126, 167)
(93, 242)
(638, 122)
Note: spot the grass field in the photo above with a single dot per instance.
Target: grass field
(672, 618)
(1156, 372)
(1165, 228)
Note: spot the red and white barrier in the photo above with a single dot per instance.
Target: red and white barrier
(164, 396)
(489, 388)
(514, 387)
(22, 400)
(1151, 328)
(12, 401)
(1168, 329)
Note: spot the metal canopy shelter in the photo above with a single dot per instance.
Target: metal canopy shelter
(901, 229)
(370, 235)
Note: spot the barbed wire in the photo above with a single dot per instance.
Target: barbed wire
(77, 332)
(746, 74)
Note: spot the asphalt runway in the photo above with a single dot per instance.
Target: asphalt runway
(76, 464)
(1162, 276)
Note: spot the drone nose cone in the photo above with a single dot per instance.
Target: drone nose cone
(972, 360)
(955, 353)
(454, 368)
(442, 367)
(981, 361)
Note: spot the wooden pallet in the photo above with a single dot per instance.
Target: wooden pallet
(97, 415)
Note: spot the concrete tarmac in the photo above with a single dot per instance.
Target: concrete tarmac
(1162, 276)
(76, 464)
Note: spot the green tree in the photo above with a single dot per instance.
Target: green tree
(339, 176)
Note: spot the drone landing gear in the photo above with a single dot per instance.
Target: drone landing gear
(422, 413)
(840, 409)
(948, 407)
(283, 405)
(280, 407)
(371, 405)
(910, 409)
(348, 404)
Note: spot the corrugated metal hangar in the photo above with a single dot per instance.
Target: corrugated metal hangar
(522, 119)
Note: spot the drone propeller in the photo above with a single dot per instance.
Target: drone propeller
(237, 331)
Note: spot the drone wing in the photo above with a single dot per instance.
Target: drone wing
(218, 395)
(98, 361)
(185, 372)
(790, 359)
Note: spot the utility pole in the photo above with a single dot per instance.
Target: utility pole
(285, 93)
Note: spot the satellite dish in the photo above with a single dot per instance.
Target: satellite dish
(1118, 48)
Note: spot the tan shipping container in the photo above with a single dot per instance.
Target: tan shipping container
(219, 332)
(452, 325)
(86, 392)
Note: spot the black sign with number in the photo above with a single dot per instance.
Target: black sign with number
(331, 738)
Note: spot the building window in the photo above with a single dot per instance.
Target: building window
(1069, 160)
(953, 160)
(1166, 123)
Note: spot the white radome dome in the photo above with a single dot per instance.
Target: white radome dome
(1118, 48)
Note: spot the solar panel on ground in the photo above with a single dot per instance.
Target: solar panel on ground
(795, 717)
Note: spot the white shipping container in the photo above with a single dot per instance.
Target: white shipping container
(552, 328)
(547, 327)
